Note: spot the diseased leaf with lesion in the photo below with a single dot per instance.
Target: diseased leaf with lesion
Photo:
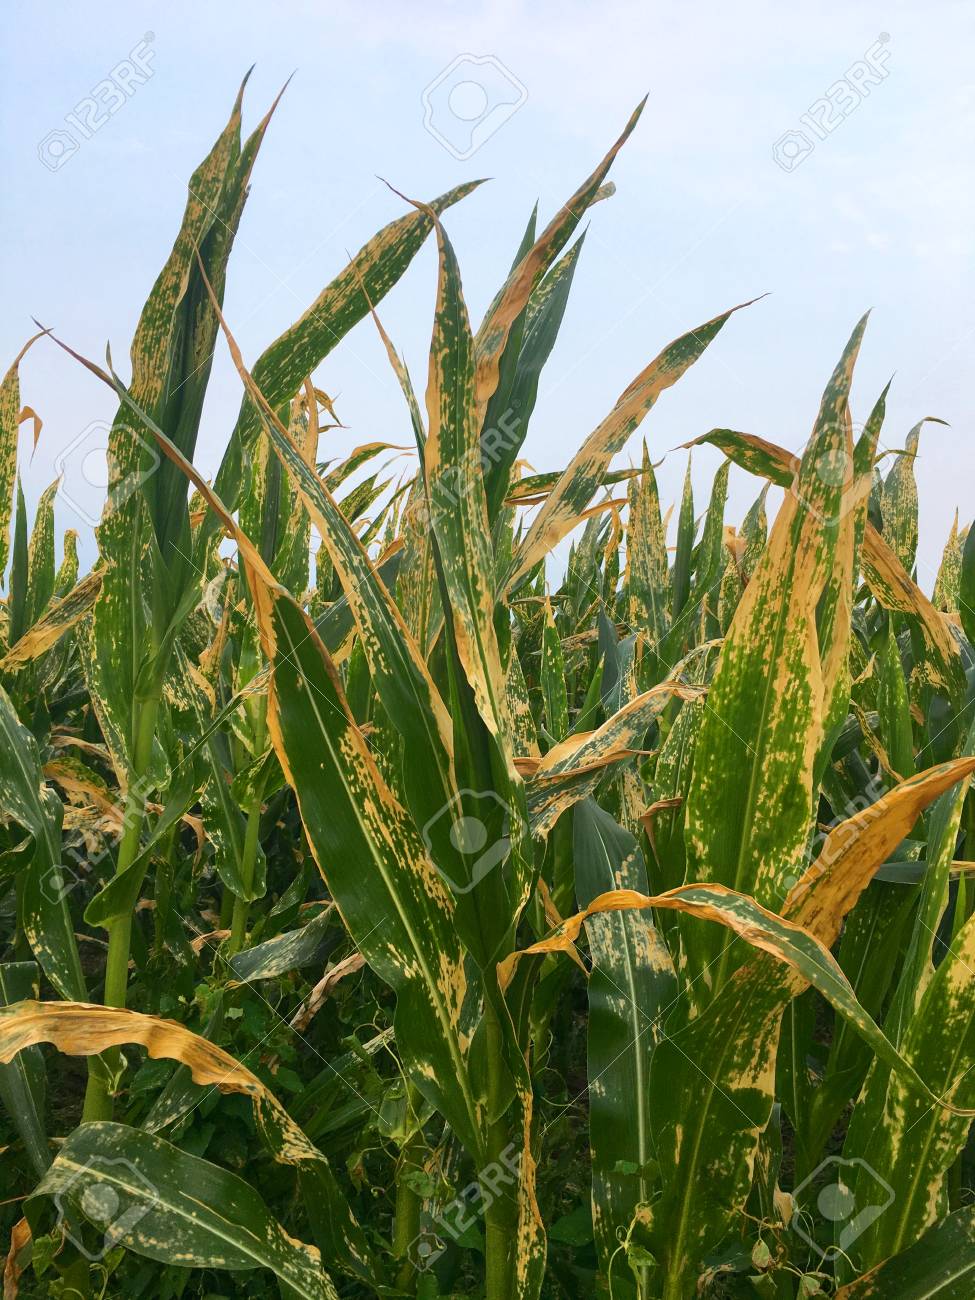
(574, 489)
(10, 421)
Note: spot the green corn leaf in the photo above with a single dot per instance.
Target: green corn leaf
(514, 296)
(899, 505)
(790, 943)
(25, 799)
(671, 781)
(9, 427)
(709, 556)
(553, 678)
(631, 985)
(355, 460)
(894, 709)
(404, 685)
(145, 525)
(910, 1144)
(873, 929)
(485, 733)
(698, 621)
(258, 779)
(526, 732)
(139, 1191)
(62, 615)
(85, 1029)
(402, 925)
(19, 581)
(398, 671)
(754, 454)
(765, 715)
(686, 528)
(574, 768)
(120, 896)
(503, 436)
(173, 349)
(713, 1077)
(391, 898)
(23, 1081)
(40, 557)
(560, 512)
(754, 529)
(647, 577)
(966, 587)
(286, 952)
(887, 578)
(67, 574)
(945, 596)
(941, 1266)
(498, 410)
(531, 488)
(918, 959)
(458, 502)
(345, 301)
(226, 827)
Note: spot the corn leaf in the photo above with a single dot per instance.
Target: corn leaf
(572, 493)
(174, 1207)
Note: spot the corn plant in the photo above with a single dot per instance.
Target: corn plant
(436, 919)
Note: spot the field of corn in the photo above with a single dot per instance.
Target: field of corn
(389, 910)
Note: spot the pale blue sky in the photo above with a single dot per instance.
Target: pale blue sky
(879, 214)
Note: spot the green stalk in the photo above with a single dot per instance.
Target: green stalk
(248, 860)
(98, 1101)
(226, 907)
(163, 891)
(406, 1224)
(498, 1235)
(22, 948)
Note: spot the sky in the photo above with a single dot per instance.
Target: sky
(820, 154)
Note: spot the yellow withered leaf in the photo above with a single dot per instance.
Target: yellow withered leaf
(86, 1029)
(788, 942)
(848, 860)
